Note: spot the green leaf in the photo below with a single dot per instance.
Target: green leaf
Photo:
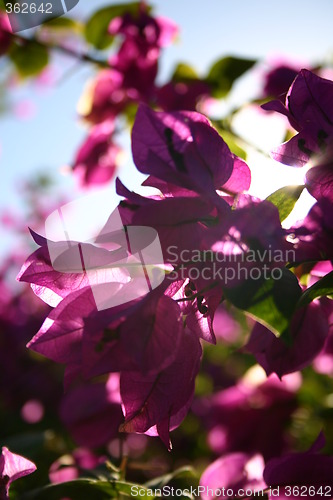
(127, 489)
(284, 199)
(322, 288)
(183, 473)
(29, 59)
(61, 23)
(86, 488)
(183, 73)
(225, 71)
(96, 29)
(159, 482)
(231, 141)
(78, 489)
(271, 302)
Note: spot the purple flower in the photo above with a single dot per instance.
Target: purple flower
(278, 81)
(246, 239)
(12, 467)
(94, 343)
(92, 412)
(240, 179)
(69, 467)
(179, 221)
(157, 32)
(138, 65)
(155, 404)
(226, 327)
(302, 469)
(252, 224)
(285, 477)
(309, 109)
(183, 149)
(5, 34)
(105, 97)
(250, 416)
(201, 311)
(115, 345)
(308, 332)
(25, 385)
(313, 236)
(177, 96)
(51, 285)
(319, 181)
(96, 160)
(323, 363)
(137, 58)
(224, 477)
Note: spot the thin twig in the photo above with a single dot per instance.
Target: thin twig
(64, 50)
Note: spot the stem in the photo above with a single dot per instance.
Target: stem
(122, 457)
(64, 50)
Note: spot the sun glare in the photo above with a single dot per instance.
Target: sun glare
(265, 131)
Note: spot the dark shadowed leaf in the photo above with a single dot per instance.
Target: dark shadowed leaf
(86, 488)
(184, 72)
(284, 199)
(30, 59)
(319, 289)
(271, 302)
(232, 142)
(62, 23)
(182, 472)
(225, 71)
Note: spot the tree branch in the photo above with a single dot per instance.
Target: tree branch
(64, 50)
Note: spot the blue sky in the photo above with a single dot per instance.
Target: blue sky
(208, 30)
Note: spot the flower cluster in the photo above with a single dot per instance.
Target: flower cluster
(310, 112)
(130, 80)
(154, 340)
(306, 474)
(198, 299)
